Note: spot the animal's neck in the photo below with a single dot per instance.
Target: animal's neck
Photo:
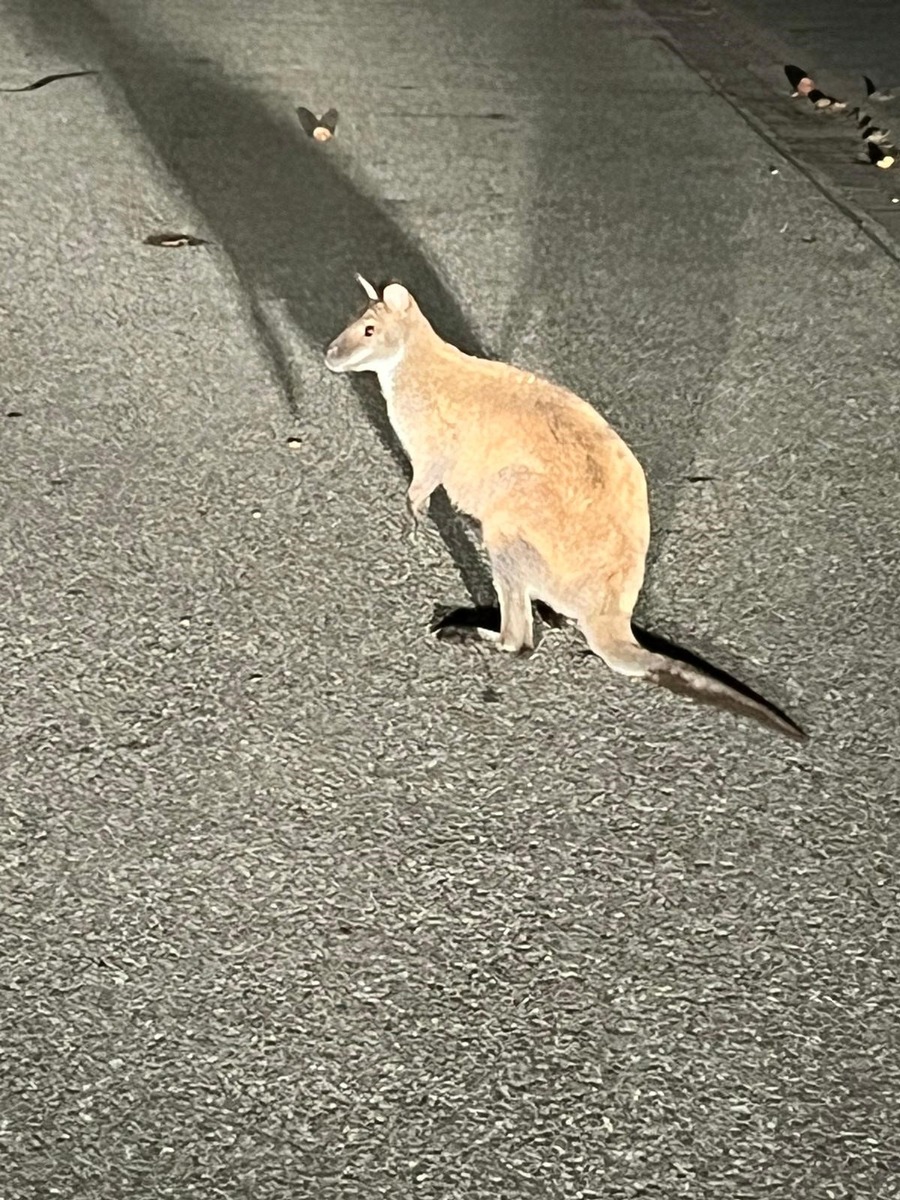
(411, 360)
(386, 372)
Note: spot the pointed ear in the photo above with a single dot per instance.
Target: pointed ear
(366, 286)
(396, 298)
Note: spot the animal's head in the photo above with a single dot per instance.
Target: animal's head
(378, 338)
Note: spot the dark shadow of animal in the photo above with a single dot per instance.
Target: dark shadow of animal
(293, 224)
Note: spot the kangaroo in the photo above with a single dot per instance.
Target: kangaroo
(561, 499)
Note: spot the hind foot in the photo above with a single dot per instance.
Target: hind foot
(462, 626)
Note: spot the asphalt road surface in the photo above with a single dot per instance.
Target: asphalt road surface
(859, 37)
(295, 900)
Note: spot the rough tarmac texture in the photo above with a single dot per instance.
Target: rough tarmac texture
(297, 902)
(860, 37)
(744, 62)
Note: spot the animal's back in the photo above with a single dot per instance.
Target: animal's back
(534, 461)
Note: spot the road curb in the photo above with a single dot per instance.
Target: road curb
(745, 66)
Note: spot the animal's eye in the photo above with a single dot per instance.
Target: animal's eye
(369, 330)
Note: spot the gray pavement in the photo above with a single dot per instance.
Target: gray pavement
(861, 38)
(741, 48)
(295, 901)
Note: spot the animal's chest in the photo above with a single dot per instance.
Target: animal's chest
(403, 422)
(414, 423)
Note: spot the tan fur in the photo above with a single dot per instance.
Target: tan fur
(561, 499)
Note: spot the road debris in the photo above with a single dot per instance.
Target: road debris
(174, 240)
(879, 95)
(44, 80)
(878, 147)
(320, 129)
(804, 85)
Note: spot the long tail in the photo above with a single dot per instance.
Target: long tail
(660, 663)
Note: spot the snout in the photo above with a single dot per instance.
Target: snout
(333, 359)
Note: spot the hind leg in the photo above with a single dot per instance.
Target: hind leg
(516, 617)
(604, 618)
(610, 637)
(512, 564)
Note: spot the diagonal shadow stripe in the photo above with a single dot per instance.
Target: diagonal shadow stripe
(293, 224)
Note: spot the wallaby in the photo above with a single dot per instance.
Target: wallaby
(561, 500)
